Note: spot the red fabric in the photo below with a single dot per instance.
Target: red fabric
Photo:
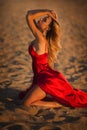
(54, 83)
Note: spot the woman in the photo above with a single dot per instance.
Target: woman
(43, 50)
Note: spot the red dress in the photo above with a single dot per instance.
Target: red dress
(54, 83)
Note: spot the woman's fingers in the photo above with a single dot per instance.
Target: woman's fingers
(54, 14)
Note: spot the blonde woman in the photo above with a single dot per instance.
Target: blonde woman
(47, 81)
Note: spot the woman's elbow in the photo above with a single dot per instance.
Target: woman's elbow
(28, 16)
(29, 13)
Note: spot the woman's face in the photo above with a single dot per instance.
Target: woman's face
(44, 23)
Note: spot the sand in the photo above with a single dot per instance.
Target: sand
(16, 70)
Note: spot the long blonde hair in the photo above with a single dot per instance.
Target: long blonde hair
(53, 37)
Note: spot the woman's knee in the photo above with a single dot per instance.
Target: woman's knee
(27, 102)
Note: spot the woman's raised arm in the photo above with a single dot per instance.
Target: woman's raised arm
(31, 16)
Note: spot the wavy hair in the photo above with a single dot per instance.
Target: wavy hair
(53, 37)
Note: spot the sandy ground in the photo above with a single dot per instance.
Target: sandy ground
(16, 71)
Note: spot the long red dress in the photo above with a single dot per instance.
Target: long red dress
(54, 83)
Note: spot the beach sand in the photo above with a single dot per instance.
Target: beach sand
(16, 64)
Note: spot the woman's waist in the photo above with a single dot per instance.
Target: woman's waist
(40, 67)
(45, 68)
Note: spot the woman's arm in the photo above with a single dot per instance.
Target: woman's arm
(38, 13)
(32, 15)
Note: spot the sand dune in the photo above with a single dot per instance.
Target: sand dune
(16, 70)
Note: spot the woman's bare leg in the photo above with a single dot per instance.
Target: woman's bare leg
(50, 104)
(35, 94)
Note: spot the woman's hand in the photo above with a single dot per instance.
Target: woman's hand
(53, 14)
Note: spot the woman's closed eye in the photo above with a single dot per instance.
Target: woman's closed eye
(44, 19)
